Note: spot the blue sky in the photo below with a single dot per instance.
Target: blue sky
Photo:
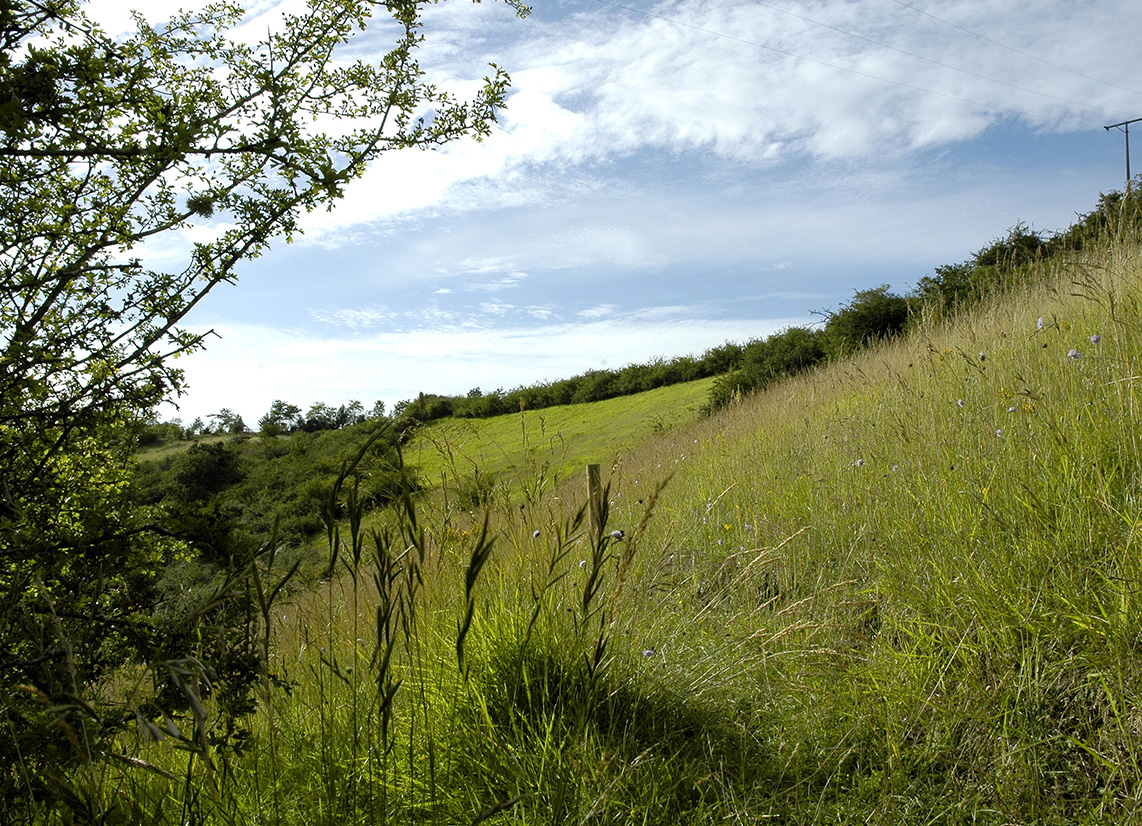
(672, 175)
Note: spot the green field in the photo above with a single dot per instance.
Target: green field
(557, 441)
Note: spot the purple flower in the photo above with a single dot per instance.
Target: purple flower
(1095, 339)
(1074, 354)
(1041, 323)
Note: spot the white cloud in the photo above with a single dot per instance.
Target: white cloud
(353, 318)
(747, 84)
(739, 82)
(495, 308)
(602, 311)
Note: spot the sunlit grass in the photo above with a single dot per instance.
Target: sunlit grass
(903, 588)
(557, 441)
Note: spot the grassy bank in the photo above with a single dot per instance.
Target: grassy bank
(901, 589)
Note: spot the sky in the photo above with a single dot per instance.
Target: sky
(669, 176)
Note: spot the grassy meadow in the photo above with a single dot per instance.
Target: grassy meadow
(506, 452)
(904, 588)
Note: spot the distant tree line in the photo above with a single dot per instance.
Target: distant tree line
(282, 418)
(592, 386)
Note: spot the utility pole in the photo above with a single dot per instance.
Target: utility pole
(1125, 128)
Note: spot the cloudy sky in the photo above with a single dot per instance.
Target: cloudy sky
(672, 175)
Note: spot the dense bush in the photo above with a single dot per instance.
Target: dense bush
(872, 315)
(229, 494)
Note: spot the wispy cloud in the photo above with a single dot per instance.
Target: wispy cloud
(353, 318)
(751, 84)
(602, 311)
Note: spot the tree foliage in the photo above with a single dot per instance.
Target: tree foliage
(872, 315)
(108, 147)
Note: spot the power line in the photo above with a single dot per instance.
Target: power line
(930, 60)
(1016, 51)
(825, 63)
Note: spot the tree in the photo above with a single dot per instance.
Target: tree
(872, 314)
(282, 417)
(319, 417)
(350, 414)
(226, 421)
(105, 147)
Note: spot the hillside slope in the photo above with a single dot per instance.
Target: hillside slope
(909, 581)
(904, 588)
(556, 441)
(919, 570)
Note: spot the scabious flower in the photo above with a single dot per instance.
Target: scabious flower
(648, 652)
(1012, 409)
(1095, 339)
(1041, 323)
(1074, 354)
(960, 402)
(859, 462)
(617, 534)
(999, 433)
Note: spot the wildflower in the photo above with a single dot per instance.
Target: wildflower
(1012, 409)
(999, 433)
(1074, 354)
(1041, 323)
(535, 534)
(982, 356)
(648, 652)
(960, 402)
(859, 462)
(582, 563)
(1095, 339)
(617, 534)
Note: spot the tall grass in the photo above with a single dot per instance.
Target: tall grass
(901, 589)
